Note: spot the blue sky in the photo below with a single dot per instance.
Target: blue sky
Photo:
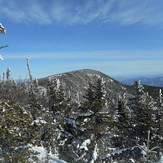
(117, 37)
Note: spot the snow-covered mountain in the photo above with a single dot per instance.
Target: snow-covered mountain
(75, 83)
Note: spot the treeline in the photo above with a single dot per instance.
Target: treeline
(32, 115)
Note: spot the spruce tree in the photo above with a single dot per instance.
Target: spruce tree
(94, 102)
(94, 97)
(17, 131)
(144, 113)
(57, 99)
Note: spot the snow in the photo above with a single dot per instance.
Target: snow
(38, 121)
(1, 58)
(78, 98)
(42, 90)
(110, 80)
(111, 149)
(132, 160)
(3, 110)
(86, 119)
(144, 153)
(161, 159)
(119, 151)
(123, 88)
(55, 160)
(58, 84)
(2, 29)
(42, 155)
(70, 122)
(21, 147)
(94, 156)
(84, 144)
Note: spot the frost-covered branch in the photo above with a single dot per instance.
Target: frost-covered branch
(2, 29)
(1, 58)
(146, 151)
(29, 70)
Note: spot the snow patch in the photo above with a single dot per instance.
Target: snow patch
(1, 58)
(84, 144)
(94, 156)
(119, 151)
(161, 159)
(41, 152)
(55, 160)
(58, 84)
(132, 160)
(38, 121)
(2, 29)
(43, 155)
(70, 122)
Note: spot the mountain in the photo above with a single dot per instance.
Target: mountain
(152, 81)
(76, 82)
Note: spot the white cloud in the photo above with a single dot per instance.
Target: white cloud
(122, 68)
(94, 55)
(71, 12)
(111, 62)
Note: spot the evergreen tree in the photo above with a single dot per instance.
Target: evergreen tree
(89, 97)
(17, 131)
(144, 114)
(123, 125)
(58, 102)
(94, 97)
(121, 112)
(95, 101)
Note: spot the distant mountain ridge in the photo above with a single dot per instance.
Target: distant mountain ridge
(152, 81)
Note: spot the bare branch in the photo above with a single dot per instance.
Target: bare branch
(3, 46)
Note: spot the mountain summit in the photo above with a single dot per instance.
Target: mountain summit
(76, 82)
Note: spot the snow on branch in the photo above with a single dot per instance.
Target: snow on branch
(2, 29)
(28, 67)
(1, 58)
(146, 151)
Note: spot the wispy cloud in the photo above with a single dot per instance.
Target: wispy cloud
(123, 12)
(112, 62)
(122, 68)
(94, 55)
